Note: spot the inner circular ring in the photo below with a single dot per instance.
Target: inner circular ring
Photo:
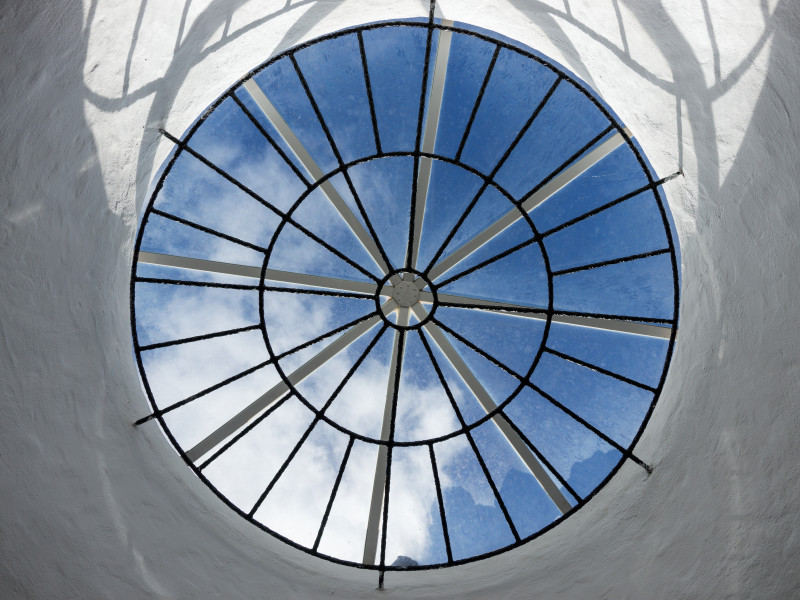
(403, 293)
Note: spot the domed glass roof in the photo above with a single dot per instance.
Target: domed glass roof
(405, 295)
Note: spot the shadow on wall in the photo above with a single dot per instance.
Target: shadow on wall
(689, 89)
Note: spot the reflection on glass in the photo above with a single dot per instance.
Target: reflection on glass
(368, 405)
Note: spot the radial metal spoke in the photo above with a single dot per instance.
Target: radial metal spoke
(527, 205)
(262, 403)
(316, 173)
(429, 141)
(607, 323)
(211, 266)
(379, 481)
(489, 405)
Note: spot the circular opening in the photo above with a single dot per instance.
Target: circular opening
(405, 296)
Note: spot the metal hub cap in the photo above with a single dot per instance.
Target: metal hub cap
(406, 294)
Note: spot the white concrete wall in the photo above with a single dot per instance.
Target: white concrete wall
(94, 508)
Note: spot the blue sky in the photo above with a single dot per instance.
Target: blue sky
(641, 289)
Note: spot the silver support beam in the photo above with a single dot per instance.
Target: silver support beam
(528, 204)
(379, 481)
(315, 172)
(488, 404)
(429, 140)
(212, 266)
(621, 326)
(235, 423)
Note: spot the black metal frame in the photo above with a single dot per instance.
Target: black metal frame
(182, 145)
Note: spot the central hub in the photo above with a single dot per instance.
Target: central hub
(413, 299)
(406, 294)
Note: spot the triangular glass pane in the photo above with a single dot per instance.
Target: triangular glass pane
(519, 278)
(319, 387)
(490, 206)
(360, 405)
(293, 319)
(414, 529)
(513, 239)
(318, 214)
(450, 191)
(475, 523)
(497, 382)
(296, 252)
(384, 187)
(423, 409)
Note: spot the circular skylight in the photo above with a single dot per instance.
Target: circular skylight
(405, 296)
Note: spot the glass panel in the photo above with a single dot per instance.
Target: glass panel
(614, 407)
(340, 93)
(165, 236)
(414, 531)
(475, 523)
(529, 506)
(450, 191)
(346, 528)
(637, 357)
(518, 278)
(359, 406)
(318, 214)
(516, 87)
(318, 387)
(641, 288)
(294, 319)
(229, 140)
(469, 61)
(632, 227)
(423, 409)
(512, 340)
(581, 457)
(467, 404)
(192, 422)
(296, 252)
(176, 372)
(172, 312)
(243, 472)
(396, 80)
(616, 175)
(384, 187)
(568, 122)
(282, 86)
(295, 506)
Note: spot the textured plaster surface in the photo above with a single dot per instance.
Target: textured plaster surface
(93, 508)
